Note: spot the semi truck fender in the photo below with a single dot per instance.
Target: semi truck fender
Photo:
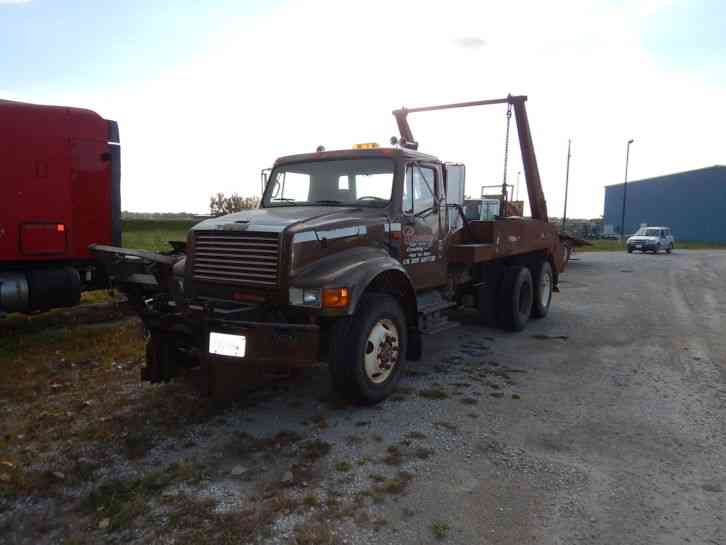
(360, 269)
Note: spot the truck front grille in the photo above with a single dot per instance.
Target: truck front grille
(236, 258)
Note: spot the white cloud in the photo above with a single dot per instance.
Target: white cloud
(469, 42)
(331, 72)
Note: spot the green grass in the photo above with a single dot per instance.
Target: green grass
(618, 246)
(440, 529)
(343, 466)
(124, 500)
(154, 234)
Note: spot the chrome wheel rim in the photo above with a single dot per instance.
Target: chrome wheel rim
(545, 289)
(381, 350)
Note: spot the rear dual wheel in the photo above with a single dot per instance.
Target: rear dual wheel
(516, 296)
(524, 294)
(543, 287)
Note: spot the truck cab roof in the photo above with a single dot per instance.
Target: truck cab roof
(398, 153)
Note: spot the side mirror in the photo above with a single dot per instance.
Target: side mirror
(275, 190)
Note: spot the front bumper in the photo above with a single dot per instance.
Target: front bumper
(180, 325)
(180, 339)
(289, 345)
(643, 246)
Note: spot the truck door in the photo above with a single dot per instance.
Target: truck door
(424, 225)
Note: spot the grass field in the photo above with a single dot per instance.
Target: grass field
(154, 234)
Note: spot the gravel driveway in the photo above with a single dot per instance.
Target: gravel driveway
(603, 423)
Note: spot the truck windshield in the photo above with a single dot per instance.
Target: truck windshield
(359, 182)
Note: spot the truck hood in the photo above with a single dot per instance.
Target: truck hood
(310, 232)
(277, 219)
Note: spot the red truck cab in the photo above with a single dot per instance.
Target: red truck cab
(59, 192)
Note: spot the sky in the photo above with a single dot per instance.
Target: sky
(208, 93)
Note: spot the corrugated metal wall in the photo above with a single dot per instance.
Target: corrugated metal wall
(692, 203)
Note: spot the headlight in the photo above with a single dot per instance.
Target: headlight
(308, 297)
(336, 298)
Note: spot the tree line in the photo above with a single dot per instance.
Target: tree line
(221, 204)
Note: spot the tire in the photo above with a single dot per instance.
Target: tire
(630, 250)
(515, 298)
(378, 324)
(542, 289)
(669, 249)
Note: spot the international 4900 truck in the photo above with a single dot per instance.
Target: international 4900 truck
(352, 257)
(59, 192)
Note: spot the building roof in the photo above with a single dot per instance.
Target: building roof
(668, 176)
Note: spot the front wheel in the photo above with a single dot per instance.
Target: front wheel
(367, 359)
(669, 249)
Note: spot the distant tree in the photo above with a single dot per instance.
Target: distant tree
(221, 204)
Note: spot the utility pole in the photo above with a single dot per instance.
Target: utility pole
(567, 184)
(625, 189)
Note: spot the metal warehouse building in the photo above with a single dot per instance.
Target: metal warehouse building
(692, 203)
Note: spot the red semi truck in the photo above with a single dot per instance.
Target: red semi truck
(59, 192)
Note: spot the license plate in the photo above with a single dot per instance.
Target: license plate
(225, 344)
(638, 246)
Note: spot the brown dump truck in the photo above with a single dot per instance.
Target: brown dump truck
(352, 257)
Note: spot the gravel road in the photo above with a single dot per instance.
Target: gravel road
(620, 432)
(603, 423)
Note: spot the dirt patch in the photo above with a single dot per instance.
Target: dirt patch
(433, 393)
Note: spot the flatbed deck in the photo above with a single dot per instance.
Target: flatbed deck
(483, 241)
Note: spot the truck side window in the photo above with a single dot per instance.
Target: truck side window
(418, 190)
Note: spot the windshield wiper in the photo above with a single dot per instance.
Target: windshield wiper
(327, 201)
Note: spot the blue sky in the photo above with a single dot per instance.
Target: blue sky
(58, 44)
(689, 36)
(221, 88)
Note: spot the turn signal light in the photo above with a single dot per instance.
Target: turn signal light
(336, 297)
